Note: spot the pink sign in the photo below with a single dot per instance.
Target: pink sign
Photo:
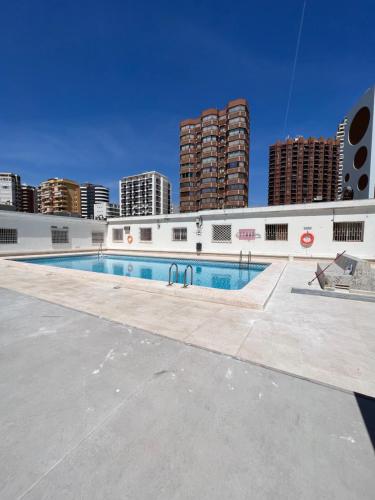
(246, 234)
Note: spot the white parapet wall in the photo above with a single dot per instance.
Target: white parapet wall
(22, 233)
(266, 231)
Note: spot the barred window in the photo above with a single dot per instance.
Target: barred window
(221, 233)
(8, 236)
(127, 229)
(97, 237)
(348, 231)
(59, 235)
(117, 235)
(145, 234)
(277, 232)
(179, 234)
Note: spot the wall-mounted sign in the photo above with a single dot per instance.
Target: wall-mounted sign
(307, 228)
(246, 234)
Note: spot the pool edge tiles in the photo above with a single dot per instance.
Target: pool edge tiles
(254, 295)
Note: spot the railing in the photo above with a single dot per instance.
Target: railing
(189, 266)
(170, 279)
(100, 250)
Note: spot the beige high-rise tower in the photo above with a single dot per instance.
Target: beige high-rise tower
(59, 197)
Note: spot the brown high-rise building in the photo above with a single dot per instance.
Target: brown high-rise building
(214, 159)
(59, 197)
(303, 171)
(29, 198)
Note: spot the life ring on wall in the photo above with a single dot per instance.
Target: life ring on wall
(130, 239)
(307, 239)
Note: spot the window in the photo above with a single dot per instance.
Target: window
(277, 232)
(209, 138)
(238, 120)
(59, 235)
(179, 234)
(209, 117)
(8, 236)
(208, 180)
(117, 235)
(348, 231)
(97, 237)
(239, 107)
(145, 234)
(221, 233)
(208, 190)
(232, 154)
(127, 229)
(210, 159)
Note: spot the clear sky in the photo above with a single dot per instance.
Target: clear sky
(94, 90)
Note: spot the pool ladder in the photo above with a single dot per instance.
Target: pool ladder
(244, 263)
(100, 250)
(170, 278)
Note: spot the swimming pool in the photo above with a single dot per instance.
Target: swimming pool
(222, 275)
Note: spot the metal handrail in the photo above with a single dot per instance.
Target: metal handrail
(240, 257)
(100, 250)
(170, 283)
(249, 257)
(189, 266)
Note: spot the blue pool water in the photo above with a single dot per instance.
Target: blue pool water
(223, 275)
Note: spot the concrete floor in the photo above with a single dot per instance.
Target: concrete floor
(325, 339)
(94, 409)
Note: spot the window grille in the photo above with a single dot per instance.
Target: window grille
(179, 234)
(127, 229)
(221, 232)
(145, 234)
(97, 237)
(8, 236)
(277, 232)
(117, 235)
(348, 231)
(59, 235)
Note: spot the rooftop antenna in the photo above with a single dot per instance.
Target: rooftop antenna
(294, 67)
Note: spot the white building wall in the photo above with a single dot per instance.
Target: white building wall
(34, 232)
(318, 218)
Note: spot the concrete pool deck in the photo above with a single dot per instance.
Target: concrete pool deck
(324, 339)
(93, 409)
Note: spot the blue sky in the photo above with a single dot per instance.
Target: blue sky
(94, 90)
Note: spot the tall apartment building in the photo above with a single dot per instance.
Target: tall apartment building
(106, 210)
(303, 171)
(59, 197)
(91, 194)
(29, 195)
(145, 194)
(214, 159)
(340, 136)
(10, 190)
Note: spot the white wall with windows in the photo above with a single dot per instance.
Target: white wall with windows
(26, 233)
(267, 231)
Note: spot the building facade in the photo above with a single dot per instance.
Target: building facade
(145, 194)
(340, 135)
(29, 196)
(91, 194)
(303, 171)
(214, 159)
(10, 190)
(359, 150)
(106, 210)
(59, 197)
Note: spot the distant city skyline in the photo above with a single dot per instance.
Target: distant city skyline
(84, 97)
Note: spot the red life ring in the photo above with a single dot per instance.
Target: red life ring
(307, 239)
(130, 239)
